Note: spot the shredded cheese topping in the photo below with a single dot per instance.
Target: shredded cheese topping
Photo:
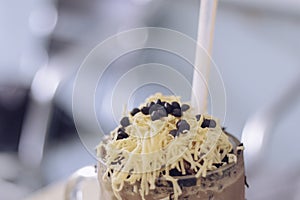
(150, 152)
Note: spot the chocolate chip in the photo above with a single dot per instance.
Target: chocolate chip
(158, 114)
(175, 172)
(208, 123)
(157, 111)
(150, 104)
(145, 110)
(240, 145)
(155, 107)
(162, 112)
(173, 132)
(155, 116)
(125, 122)
(134, 111)
(223, 128)
(212, 124)
(178, 123)
(122, 135)
(168, 107)
(218, 164)
(185, 107)
(201, 162)
(175, 104)
(198, 117)
(176, 112)
(225, 159)
(187, 182)
(158, 101)
(246, 183)
(122, 129)
(182, 125)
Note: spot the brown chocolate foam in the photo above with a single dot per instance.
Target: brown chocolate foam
(224, 183)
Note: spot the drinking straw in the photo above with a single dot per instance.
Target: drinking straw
(206, 23)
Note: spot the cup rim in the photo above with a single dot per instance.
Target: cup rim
(234, 141)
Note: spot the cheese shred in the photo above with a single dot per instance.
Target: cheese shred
(150, 151)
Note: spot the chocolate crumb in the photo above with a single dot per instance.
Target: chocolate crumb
(220, 186)
(201, 162)
(187, 182)
(212, 184)
(225, 159)
(246, 183)
(188, 169)
(203, 185)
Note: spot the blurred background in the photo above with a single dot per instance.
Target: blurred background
(43, 43)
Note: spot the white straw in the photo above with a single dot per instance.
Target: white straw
(206, 25)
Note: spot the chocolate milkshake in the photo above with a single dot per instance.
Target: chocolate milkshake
(163, 150)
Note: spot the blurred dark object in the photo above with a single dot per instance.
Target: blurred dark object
(61, 125)
(13, 104)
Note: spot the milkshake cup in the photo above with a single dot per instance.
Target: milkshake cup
(224, 183)
(163, 150)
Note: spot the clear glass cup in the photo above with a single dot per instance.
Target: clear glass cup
(224, 183)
